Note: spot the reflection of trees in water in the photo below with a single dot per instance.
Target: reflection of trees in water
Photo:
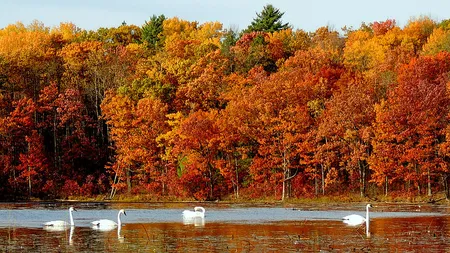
(387, 234)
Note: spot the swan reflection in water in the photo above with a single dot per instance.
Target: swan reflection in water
(119, 236)
(196, 221)
(62, 229)
(105, 225)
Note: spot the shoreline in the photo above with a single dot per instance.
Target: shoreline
(141, 199)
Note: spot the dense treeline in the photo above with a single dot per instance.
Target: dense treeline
(178, 109)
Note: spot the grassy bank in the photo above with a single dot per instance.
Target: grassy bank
(438, 198)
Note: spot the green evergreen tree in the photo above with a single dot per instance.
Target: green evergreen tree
(269, 20)
(151, 30)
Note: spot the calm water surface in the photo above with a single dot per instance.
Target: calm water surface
(226, 228)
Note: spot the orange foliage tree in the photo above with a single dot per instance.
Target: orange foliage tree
(409, 125)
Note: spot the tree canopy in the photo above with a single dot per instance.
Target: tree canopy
(179, 109)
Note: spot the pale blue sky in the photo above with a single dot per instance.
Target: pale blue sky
(238, 14)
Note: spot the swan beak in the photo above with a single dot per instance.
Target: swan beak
(124, 213)
(75, 209)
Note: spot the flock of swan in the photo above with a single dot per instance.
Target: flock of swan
(189, 217)
(105, 224)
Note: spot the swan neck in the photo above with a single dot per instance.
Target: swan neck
(119, 222)
(367, 228)
(71, 218)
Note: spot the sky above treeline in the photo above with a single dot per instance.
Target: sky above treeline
(237, 14)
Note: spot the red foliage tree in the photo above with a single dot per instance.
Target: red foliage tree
(197, 146)
(409, 124)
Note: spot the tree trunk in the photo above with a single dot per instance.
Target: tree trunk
(29, 182)
(429, 182)
(445, 178)
(362, 180)
(323, 180)
(416, 168)
(288, 176)
(447, 190)
(316, 184)
(128, 181)
(113, 189)
(164, 181)
(55, 142)
(29, 174)
(211, 181)
(386, 187)
(237, 177)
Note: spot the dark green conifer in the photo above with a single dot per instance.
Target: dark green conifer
(269, 20)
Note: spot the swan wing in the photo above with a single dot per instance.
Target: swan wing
(188, 214)
(104, 223)
(56, 223)
(354, 219)
(56, 229)
(193, 214)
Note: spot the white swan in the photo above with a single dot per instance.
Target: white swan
(199, 212)
(355, 219)
(59, 225)
(105, 224)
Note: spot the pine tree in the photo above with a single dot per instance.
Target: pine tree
(269, 20)
(151, 30)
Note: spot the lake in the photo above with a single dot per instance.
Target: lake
(159, 227)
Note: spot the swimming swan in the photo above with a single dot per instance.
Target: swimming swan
(60, 223)
(199, 212)
(355, 219)
(105, 224)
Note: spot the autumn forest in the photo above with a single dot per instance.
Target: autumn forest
(175, 109)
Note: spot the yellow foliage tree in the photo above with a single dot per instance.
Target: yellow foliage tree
(68, 31)
(438, 41)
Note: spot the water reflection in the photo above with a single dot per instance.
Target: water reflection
(196, 221)
(227, 230)
(120, 238)
(71, 235)
(61, 232)
(400, 234)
